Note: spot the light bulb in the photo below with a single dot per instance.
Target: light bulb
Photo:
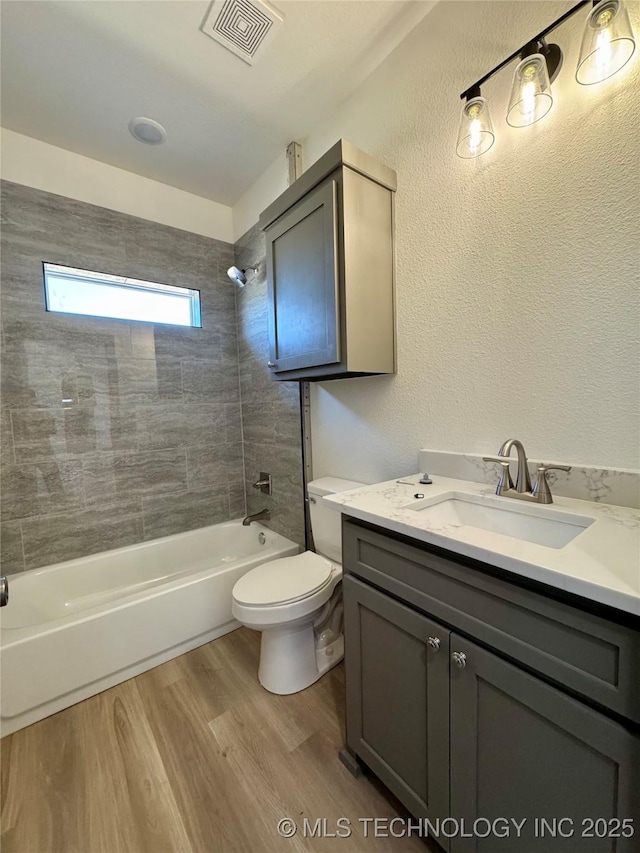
(531, 97)
(476, 135)
(603, 51)
(528, 91)
(607, 43)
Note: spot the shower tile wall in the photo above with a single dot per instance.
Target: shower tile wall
(113, 432)
(270, 410)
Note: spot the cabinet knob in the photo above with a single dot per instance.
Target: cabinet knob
(434, 643)
(460, 659)
(271, 364)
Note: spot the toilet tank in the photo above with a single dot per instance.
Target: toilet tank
(326, 523)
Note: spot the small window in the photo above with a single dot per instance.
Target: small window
(73, 291)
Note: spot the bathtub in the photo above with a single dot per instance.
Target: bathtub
(76, 628)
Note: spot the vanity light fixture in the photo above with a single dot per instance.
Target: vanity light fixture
(475, 136)
(531, 97)
(607, 45)
(608, 42)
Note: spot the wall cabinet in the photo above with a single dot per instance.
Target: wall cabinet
(455, 727)
(330, 270)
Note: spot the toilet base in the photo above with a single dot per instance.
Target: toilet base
(329, 656)
(289, 660)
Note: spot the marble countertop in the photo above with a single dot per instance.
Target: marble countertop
(602, 563)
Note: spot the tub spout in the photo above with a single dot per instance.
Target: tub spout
(257, 516)
(4, 591)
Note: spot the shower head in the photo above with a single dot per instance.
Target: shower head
(237, 276)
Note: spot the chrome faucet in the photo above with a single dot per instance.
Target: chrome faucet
(523, 481)
(4, 591)
(540, 493)
(257, 516)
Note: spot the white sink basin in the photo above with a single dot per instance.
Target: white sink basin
(525, 521)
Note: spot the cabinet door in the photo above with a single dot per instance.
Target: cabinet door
(303, 283)
(398, 697)
(522, 749)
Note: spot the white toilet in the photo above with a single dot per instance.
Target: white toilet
(295, 603)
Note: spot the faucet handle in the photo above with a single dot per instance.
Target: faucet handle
(542, 468)
(541, 490)
(506, 482)
(264, 484)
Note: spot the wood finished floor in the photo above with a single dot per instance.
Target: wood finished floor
(192, 757)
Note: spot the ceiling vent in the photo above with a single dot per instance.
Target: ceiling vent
(245, 27)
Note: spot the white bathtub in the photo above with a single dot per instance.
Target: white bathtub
(76, 628)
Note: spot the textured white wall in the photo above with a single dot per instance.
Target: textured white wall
(46, 167)
(517, 274)
(269, 185)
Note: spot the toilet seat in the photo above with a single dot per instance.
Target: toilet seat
(284, 581)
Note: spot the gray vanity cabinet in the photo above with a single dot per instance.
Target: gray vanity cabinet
(330, 270)
(521, 748)
(527, 706)
(398, 697)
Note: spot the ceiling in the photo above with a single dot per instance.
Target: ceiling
(74, 72)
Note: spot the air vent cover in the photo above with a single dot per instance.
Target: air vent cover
(244, 27)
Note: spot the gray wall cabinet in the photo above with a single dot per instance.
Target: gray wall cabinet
(330, 268)
(476, 725)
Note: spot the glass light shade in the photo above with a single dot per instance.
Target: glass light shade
(607, 42)
(476, 135)
(531, 97)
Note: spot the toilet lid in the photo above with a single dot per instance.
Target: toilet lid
(283, 581)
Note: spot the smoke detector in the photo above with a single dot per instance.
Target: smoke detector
(245, 27)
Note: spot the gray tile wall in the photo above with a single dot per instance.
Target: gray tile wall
(114, 432)
(270, 410)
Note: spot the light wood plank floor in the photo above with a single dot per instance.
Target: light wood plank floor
(192, 757)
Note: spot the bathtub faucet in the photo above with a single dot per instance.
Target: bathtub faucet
(4, 591)
(257, 516)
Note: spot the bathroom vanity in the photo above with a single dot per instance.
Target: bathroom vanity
(478, 691)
